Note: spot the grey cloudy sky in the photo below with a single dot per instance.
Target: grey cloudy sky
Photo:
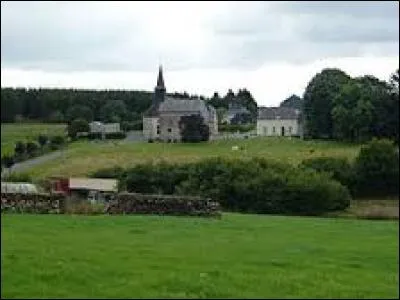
(271, 48)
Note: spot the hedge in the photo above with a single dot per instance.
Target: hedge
(250, 185)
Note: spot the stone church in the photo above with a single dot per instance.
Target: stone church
(161, 120)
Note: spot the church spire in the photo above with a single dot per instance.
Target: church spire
(160, 79)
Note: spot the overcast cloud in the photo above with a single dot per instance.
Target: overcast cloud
(272, 48)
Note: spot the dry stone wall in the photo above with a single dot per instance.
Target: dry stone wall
(131, 203)
(32, 203)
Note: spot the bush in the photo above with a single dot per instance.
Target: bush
(77, 126)
(252, 185)
(56, 142)
(128, 126)
(236, 128)
(377, 169)
(42, 139)
(339, 169)
(94, 135)
(116, 135)
(32, 148)
(20, 148)
(8, 161)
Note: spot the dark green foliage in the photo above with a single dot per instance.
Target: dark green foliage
(135, 125)
(79, 112)
(56, 142)
(42, 139)
(318, 102)
(60, 105)
(193, 129)
(32, 148)
(255, 185)
(339, 169)
(20, 148)
(7, 161)
(377, 169)
(94, 136)
(76, 126)
(236, 128)
(114, 111)
(293, 101)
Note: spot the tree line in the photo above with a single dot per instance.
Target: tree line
(66, 105)
(337, 106)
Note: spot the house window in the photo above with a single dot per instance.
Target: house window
(273, 130)
(290, 129)
(169, 129)
(158, 129)
(265, 130)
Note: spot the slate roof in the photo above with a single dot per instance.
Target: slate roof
(182, 105)
(275, 113)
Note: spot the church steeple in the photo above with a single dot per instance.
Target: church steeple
(160, 79)
(159, 91)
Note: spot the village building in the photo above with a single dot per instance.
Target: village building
(100, 127)
(279, 121)
(161, 120)
(235, 110)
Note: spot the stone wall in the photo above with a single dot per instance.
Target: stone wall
(32, 203)
(130, 203)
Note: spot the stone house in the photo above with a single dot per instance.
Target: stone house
(234, 110)
(161, 120)
(279, 121)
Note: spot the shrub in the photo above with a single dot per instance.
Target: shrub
(8, 161)
(128, 126)
(116, 135)
(94, 135)
(76, 126)
(377, 169)
(31, 148)
(20, 148)
(56, 142)
(42, 140)
(251, 185)
(339, 169)
(236, 128)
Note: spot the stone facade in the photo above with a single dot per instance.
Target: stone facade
(161, 121)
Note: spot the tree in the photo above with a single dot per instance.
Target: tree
(245, 99)
(79, 125)
(318, 102)
(79, 112)
(293, 101)
(114, 111)
(42, 139)
(31, 148)
(8, 161)
(20, 149)
(193, 129)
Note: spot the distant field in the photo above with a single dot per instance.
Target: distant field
(244, 256)
(84, 157)
(11, 133)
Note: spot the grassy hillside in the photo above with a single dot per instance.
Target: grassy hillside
(244, 256)
(84, 157)
(11, 133)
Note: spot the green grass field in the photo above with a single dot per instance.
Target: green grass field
(11, 133)
(245, 256)
(84, 157)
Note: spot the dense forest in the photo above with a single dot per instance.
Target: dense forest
(65, 105)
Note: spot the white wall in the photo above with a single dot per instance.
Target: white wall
(150, 127)
(265, 127)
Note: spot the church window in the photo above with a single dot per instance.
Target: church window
(158, 129)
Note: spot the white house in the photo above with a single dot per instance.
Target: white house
(279, 121)
(99, 127)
